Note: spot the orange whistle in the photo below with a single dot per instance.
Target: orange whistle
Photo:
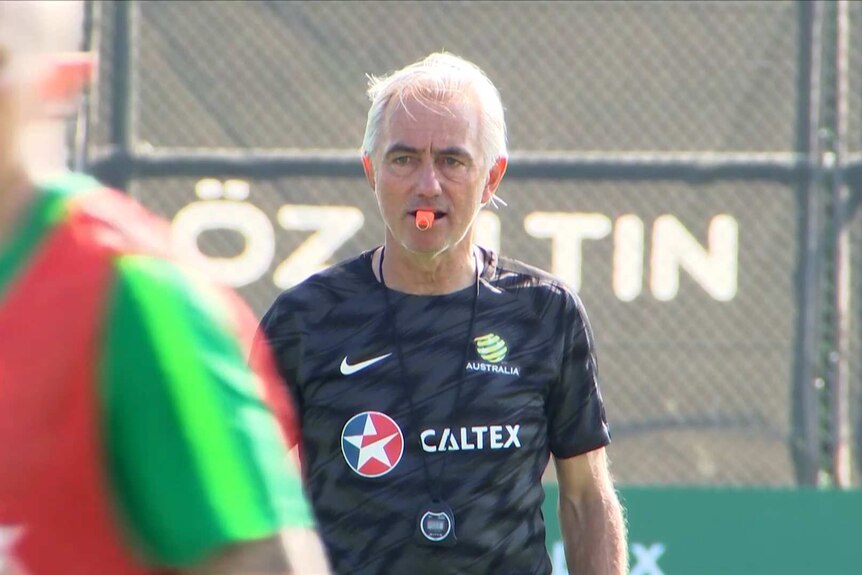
(424, 219)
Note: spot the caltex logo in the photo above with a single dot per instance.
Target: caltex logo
(372, 443)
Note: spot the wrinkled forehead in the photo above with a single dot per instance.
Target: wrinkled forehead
(430, 96)
(441, 107)
(432, 125)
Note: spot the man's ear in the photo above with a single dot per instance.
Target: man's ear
(369, 171)
(495, 176)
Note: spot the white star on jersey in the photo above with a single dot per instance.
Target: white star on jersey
(375, 449)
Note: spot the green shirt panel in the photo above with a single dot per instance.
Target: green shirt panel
(195, 455)
(48, 207)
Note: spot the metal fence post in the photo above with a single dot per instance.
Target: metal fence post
(838, 377)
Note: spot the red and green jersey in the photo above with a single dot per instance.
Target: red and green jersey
(134, 437)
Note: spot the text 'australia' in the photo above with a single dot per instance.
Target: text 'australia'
(491, 368)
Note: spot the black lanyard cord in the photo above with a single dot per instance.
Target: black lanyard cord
(432, 491)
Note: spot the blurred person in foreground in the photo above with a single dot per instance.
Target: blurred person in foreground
(433, 378)
(134, 437)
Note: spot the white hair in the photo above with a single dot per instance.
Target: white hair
(32, 31)
(440, 77)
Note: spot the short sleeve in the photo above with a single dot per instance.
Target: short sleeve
(576, 413)
(279, 330)
(194, 453)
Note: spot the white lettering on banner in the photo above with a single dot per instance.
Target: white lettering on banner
(231, 213)
(224, 206)
(645, 559)
(715, 269)
(628, 257)
(449, 441)
(673, 249)
(334, 225)
(567, 231)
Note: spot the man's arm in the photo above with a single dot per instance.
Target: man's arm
(297, 551)
(591, 518)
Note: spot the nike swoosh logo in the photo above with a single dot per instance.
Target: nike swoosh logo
(348, 369)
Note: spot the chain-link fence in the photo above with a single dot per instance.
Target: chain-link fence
(854, 214)
(719, 78)
(662, 159)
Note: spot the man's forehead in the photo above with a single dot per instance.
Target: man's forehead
(449, 105)
(454, 118)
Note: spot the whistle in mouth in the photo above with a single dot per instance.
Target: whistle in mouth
(424, 220)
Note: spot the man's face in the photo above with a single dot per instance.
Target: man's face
(9, 115)
(41, 76)
(429, 157)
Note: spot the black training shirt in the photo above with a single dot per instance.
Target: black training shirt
(528, 388)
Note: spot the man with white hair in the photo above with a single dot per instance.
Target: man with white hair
(433, 378)
(135, 439)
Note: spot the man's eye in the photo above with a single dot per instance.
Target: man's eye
(452, 162)
(401, 160)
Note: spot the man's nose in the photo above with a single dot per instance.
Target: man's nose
(429, 182)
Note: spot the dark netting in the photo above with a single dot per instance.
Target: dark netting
(102, 94)
(574, 76)
(854, 95)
